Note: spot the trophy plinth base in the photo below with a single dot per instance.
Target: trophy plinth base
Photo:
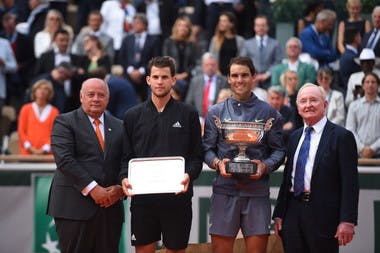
(243, 167)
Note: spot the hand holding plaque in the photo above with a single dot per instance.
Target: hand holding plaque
(242, 135)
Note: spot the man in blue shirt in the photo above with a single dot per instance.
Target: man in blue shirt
(242, 201)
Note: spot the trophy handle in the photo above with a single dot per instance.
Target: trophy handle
(268, 124)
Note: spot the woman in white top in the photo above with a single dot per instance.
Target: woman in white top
(335, 108)
(43, 39)
(117, 19)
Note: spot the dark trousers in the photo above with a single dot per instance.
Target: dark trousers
(299, 233)
(98, 235)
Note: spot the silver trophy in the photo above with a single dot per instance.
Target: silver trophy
(242, 135)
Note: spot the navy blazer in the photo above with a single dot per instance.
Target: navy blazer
(46, 62)
(126, 54)
(334, 181)
(365, 41)
(319, 46)
(80, 160)
(347, 66)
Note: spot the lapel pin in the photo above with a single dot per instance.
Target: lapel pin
(109, 129)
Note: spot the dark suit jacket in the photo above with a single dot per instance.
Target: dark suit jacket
(80, 160)
(195, 94)
(122, 96)
(365, 41)
(189, 58)
(347, 66)
(318, 46)
(149, 51)
(334, 181)
(46, 62)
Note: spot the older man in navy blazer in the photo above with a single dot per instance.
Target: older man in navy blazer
(315, 38)
(85, 198)
(317, 206)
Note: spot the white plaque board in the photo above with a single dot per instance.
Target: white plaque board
(156, 174)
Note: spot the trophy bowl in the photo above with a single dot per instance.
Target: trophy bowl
(242, 134)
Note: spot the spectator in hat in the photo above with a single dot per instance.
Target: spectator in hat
(367, 61)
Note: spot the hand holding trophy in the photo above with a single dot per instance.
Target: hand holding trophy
(242, 135)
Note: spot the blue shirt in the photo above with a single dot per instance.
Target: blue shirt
(10, 65)
(271, 150)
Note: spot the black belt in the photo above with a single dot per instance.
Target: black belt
(303, 197)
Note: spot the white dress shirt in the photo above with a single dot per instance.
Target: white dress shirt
(92, 185)
(315, 137)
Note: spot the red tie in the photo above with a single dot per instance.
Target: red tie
(206, 93)
(98, 133)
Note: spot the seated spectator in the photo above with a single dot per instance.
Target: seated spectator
(44, 38)
(58, 76)
(8, 64)
(35, 121)
(363, 118)
(226, 44)
(22, 48)
(182, 50)
(290, 80)
(95, 55)
(316, 40)
(353, 21)
(261, 93)
(367, 63)
(347, 64)
(223, 95)
(94, 21)
(276, 97)
(335, 111)
(305, 71)
(204, 88)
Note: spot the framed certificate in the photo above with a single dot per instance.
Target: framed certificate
(156, 174)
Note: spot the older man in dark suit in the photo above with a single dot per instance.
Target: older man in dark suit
(317, 206)
(84, 197)
(204, 88)
(316, 40)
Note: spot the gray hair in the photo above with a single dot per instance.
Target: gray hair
(325, 14)
(377, 8)
(294, 39)
(323, 93)
(208, 55)
(277, 90)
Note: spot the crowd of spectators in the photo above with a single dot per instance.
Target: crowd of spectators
(115, 39)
